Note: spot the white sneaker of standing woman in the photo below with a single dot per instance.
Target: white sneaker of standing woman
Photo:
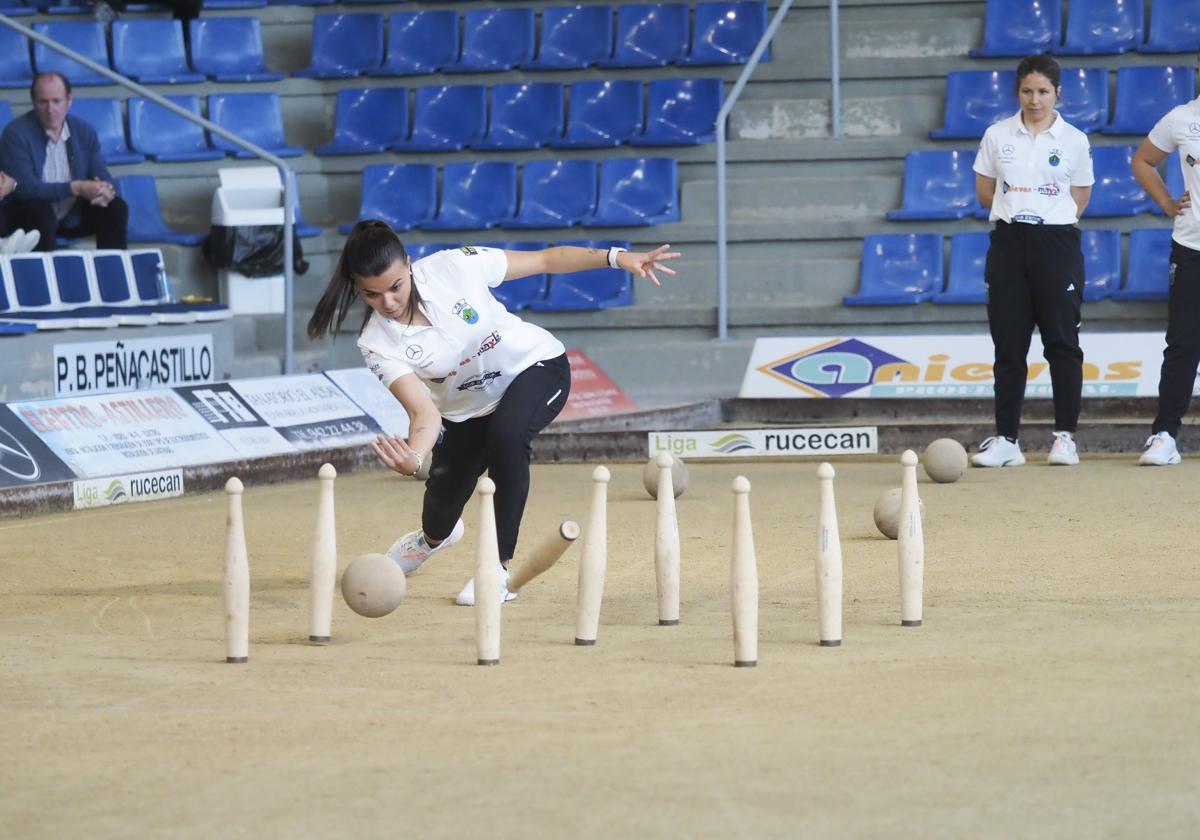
(1062, 451)
(998, 451)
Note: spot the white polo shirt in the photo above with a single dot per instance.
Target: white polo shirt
(1180, 129)
(1034, 175)
(474, 348)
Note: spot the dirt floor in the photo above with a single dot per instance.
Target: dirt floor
(1053, 691)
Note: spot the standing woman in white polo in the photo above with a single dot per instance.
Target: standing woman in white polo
(1034, 172)
(1179, 129)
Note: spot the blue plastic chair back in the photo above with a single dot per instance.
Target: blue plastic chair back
(637, 191)
(968, 258)
(419, 43)
(112, 276)
(161, 135)
(650, 35)
(1021, 27)
(105, 116)
(1084, 100)
(1174, 27)
(1101, 263)
(344, 46)
(602, 114)
(899, 268)
(1103, 27)
(595, 288)
(974, 100)
(31, 282)
(84, 37)
(476, 196)
(495, 39)
(938, 185)
(229, 49)
(368, 120)
(1116, 192)
(556, 194)
(1149, 273)
(682, 112)
(403, 195)
(574, 37)
(1144, 94)
(16, 69)
(520, 293)
(146, 223)
(727, 32)
(447, 118)
(257, 117)
(152, 52)
(524, 116)
(71, 278)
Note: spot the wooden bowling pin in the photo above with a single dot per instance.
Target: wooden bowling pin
(666, 546)
(544, 555)
(743, 579)
(593, 563)
(829, 563)
(324, 560)
(236, 585)
(910, 544)
(487, 578)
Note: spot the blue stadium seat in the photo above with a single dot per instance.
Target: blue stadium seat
(16, 70)
(938, 185)
(1020, 27)
(105, 116)
(13, 327)
(636, 191)
(1148, 276)
(404, 195)
(302, 230)
(681, 112)
(573, 37)
(163, 136)
(368, 120)
(256, 117)
(344, 46)
(35, 297)
(146, 223)
(727, 32)
(419, 43)
(595, 288)
(447, 118)
(1144, 94)
(153, 287)
(152, 52)
(968, 257)
(1172, 175)
(525, 115)
(602, 114)
(1103, 27)
(898, 268)
(1101, 263)
(555, 194)
(1174, 27)
(649, 35)
(113, 291)
(84, 37)
(476, 196)
(230, 49)
(520, 293)
(1084, 100)
(71, 273)
(1116, 192)
(494, 40)
(222, 5)
(420, 250)
(974, 100)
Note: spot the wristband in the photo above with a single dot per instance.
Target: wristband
(420, 461)
(612, 256)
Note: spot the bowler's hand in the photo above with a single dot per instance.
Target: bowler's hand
(396, 454)
(644, 264)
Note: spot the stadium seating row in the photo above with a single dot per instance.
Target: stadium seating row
(977, 98)
(1094, 27)
(941, 185)
(900, 269)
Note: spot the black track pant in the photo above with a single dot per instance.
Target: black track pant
(1034, 276)
(109, 223)
(1182, 355)
(502, 444)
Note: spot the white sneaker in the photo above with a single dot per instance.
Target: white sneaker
(998, 451)
(20, 241)
(1062, 452)
(466, 598)
(1160, 451)
(411, 550)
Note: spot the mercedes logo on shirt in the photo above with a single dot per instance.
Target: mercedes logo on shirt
(15, 459)
(414, 352)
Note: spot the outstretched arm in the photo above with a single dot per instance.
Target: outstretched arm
(564, 259)
(424, 423)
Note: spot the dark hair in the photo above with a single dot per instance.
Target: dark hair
(1040, 63)
(370, 250)
(50, 74)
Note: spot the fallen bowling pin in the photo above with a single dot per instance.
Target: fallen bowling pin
(544, 555)
(910, 547)
(236, 584)
(829, 563)
(743, 579)
(666, 546)
(324, 560)
(487, 578)
(593, 563)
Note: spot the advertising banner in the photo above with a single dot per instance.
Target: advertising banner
(238, 424)
(593, 394)
(142, 487)
(309, 410)
(766, 443)
(938, 367)
(373, 398)
(134, 364)
(24, 459)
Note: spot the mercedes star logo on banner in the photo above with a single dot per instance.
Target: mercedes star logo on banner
(15, 459)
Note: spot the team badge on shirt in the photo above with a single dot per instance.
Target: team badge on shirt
(1055, 157)
(465, 311)
(469, 251)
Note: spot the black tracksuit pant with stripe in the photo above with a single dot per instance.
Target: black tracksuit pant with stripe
(1182, 354)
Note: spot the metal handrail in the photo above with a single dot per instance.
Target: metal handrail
(285, 172)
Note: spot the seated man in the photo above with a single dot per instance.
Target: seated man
(62, 183)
